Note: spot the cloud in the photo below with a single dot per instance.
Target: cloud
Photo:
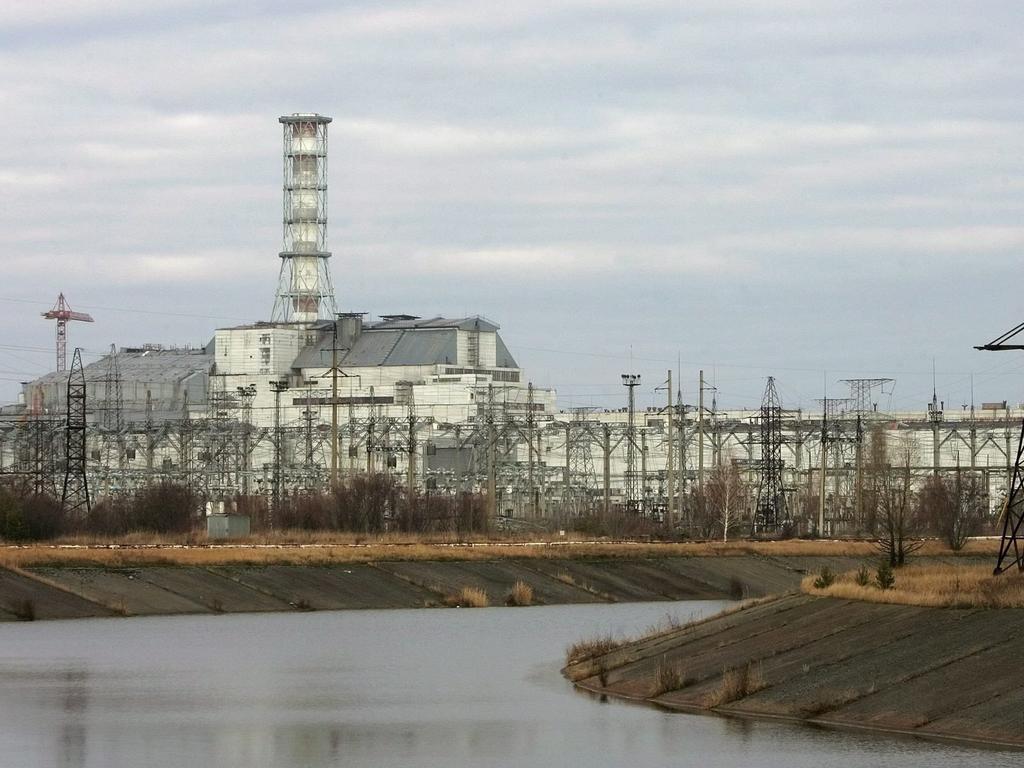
(733, 170)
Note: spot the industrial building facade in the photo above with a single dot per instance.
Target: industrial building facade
(313, 396)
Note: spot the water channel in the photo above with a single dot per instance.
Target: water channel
(445, 688)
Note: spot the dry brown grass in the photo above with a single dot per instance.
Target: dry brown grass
(468, 597)
(736, 684)
(521, 594)
(585, 650)
(321, 549)
(669, 677)
(939, 586)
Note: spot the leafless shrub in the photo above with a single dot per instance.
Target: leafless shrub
(520, 595)
(669, 677)
(468, 597)
(737, 683)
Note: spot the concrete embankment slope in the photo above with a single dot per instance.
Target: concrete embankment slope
(933, 672)
(72, 592)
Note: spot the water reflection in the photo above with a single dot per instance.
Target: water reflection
(373, 688)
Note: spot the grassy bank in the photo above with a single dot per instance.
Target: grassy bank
(288, 549)
(935, 586)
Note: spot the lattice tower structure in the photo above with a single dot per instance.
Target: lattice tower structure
(1011, 545)
(771, 497)
(75, 495)
(580, 459)
(305, 292)
(112, 409)
(862, 393)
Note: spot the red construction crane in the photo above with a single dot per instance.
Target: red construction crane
(61, 312)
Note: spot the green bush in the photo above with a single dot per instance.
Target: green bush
(863, 576)
(826, 578)
(884, 576)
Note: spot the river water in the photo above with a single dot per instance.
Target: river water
(445, 688)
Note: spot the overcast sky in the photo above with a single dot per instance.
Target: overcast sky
(813, 190)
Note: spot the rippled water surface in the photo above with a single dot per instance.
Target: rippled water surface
(447, 688)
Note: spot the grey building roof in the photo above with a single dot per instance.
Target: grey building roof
(167, 373)
(463, 323)
(148, 365)
(403, 342)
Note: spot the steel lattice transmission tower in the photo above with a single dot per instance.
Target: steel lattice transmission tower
(113, 398)
(861, 393)
(580, 462)
(771, 496)
(75, 496)
(634, 502)
(1011, 547)
(305, 293)
(62, 313)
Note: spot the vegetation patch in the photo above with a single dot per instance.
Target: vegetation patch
(936, 586)
(737, 683)
(25, 610)
(585, 650)
(521, 594)
(468, 597)
(670, 676)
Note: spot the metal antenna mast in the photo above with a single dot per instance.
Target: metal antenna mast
(771, 497)
(633, 501)
(75, 496)
(305, 293)
(1011, 547)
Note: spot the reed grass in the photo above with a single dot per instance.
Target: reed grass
(937, 586)
(736, 684)
(670, 677)
(468, 597)
(521, 594)
(591, 648)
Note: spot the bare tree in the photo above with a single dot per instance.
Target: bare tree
(727, 498)
(896, 512)
(954, 508)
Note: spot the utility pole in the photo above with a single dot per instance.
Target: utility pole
(150, 429)
(334, 403)
(531, 508)
(277, 387)
(935, 417)
(700, 439)
(824, 467)
(412, 455)
(669, 475)
(607, 469)
(371, 429)
(633, 502)
(492, 438)
(246, 395)
(859, 458)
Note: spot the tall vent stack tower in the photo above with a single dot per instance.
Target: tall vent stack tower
(304, 292)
